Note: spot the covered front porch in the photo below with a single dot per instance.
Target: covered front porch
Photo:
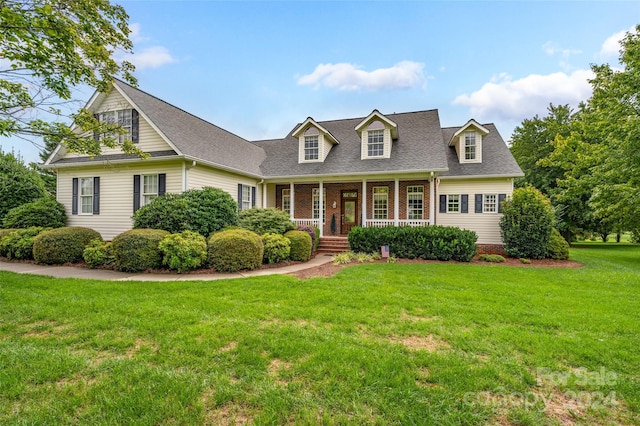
(337, 206)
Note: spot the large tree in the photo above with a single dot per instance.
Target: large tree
(47, 48)
(20, 184)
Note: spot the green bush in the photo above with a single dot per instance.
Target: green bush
(316, 242)
(204, 211)
(276, 248)
(45, 212)
(18, 244)
(98, 253)
(263, 221)
(137, 250)
(311, 230)
(492, 258)
(5, 232)
(183, 252)
(426, 242)
(235, 250)
(300, 245)
(63, 245)
(558, 247)
(19, 183)
(526, 224)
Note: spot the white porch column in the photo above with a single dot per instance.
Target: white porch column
(264, 195)
(364, 203)
(321, 211)
(432, 201)
(396, 204)
(291, 200)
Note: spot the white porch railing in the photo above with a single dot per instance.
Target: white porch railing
(307, 222)
(381, 223)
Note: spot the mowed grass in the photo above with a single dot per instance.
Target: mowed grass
(376, 344)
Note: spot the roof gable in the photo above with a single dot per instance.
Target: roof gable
(311, 122)
(376, 115)
(471, 123)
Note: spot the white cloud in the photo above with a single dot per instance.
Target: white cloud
(349, 77)
(611, 47)
(552, 48)
(505, 98)
(135, 35)
(150, 57)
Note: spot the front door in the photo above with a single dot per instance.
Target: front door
(349, 211)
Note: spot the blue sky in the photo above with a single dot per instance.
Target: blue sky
(259, 68)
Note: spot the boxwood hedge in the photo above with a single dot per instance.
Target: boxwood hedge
(138, 250)
(63, 245)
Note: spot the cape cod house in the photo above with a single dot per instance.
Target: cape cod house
(378, 170)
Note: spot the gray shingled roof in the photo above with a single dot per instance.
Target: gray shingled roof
(195, 137)
(419, 148)
(496, 157)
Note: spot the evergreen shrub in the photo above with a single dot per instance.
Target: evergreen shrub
(63, 245)
(235, 250)
(138, 250)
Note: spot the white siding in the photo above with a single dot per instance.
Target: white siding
(271, 195)
(149, 139)
(486, 225)
(364, 145)
(116, 194)
(201, 176)
(326, 147)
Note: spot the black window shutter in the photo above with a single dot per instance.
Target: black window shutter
(96, 195)
(478, 203)
(96, 135)
(74, 198)
(135, 120)
(239, 196)
(162, 183)
(501, 198)
(464, 203)
(443, 204)
(253, 196)
(136, 192)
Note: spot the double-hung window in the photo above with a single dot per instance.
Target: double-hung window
(470, 145)
(453, 203)
(316, 203)
(149, 188)
(380, 202)
(246, 197)
(86, 195)
(311, 148)
(375, 143)
(286, 200)
(490, 204)
(123, 117)
(415, 202)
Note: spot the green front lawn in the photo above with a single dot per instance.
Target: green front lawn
(376, 344)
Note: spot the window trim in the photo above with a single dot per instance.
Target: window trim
(494, 203)
(373, 202)
(470, 145)
(308, 139)
(82, 196)
(458, 203)
(118, 117)
(143, 194)
(287, 197)
(420, 190)
(246, 197)
(315, 198)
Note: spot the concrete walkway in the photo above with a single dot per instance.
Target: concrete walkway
(101, 274)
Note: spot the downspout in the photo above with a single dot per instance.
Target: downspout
(264, 193)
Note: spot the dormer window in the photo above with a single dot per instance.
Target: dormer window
(375, 143)
(311, 148)
(470, 145)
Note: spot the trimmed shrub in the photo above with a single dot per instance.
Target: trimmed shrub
(316, 243)
(235, 250)
(558, 247)
(45, 212)
(203, 211)
(311, 230)
(426, 242)
(183, 252)
(19, 243)
(137, 250)
(98, 253)
(492, 258)
(263, 221)
(63, 245)
(5, 232)
(526, 224)
(277, 248)
(300, 245)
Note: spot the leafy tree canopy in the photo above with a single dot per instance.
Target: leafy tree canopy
(19, 183)
(47, 48)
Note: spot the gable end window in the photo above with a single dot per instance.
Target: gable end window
(128, 119)
(470, 146)
(375, 143)
(85, 199)
(246, 196)
(311, 148)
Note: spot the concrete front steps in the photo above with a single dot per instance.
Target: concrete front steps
(333, 245)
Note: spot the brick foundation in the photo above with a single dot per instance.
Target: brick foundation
(491, 249)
